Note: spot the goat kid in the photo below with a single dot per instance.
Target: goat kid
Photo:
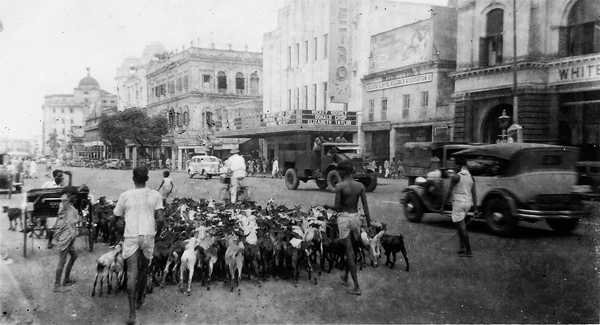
(392, 245)
(103, 268)
(14, 214)
(189, 258)
(234, 258)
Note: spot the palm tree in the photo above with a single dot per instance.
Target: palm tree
(54, 143)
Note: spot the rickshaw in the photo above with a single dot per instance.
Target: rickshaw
(514, 182)
(10, 181)
(44, 203)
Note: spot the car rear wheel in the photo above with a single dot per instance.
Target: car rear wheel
(321, 183)
(291, 179)
(563, 226)
(499, 218)
(413, 208)
(332, 179)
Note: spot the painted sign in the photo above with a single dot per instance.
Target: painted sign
(413, 134)
(428, 77)
(403, 46)
(575, 73)
(339, 60)
(279, 118)
(328, 117)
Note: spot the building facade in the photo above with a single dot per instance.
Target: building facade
(199, 90)
(549, 88)
(407, 93)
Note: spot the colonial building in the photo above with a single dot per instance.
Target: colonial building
(63, 129)
(200, 90)
(549, 88)
(407, 93)
(314, 62)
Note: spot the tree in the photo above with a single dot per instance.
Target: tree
(54, 143)
(133, 125)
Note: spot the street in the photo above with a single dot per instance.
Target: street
(539, 276)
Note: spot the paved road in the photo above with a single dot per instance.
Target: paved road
(537, 277)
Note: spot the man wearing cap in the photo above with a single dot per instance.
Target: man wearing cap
(142, 208)
(236, 164)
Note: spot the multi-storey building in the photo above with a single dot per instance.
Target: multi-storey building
(553, 77)
(196, 89)
(314, 62)
(407, 93)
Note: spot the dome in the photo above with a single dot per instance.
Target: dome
(154, 48)
(88, 81)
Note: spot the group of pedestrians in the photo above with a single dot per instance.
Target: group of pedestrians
(393, 169)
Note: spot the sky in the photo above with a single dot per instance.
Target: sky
(46, 46)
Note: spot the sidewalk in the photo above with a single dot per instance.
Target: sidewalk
(16, 308)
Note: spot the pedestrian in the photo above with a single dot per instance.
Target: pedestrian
(318, 142)
(275, 170)
(166, 187)
(26, 164)
(347, 194)
(386, 167)
(141, 208)
(50, 222)
(463, 192)
(393, 168)
(33, 169)
(236, 165)
(66, 234)
(48, 169)
(168, 163)
(265, 165)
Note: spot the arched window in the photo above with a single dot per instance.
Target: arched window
(582, 34)
(491, 46)
(178, 118)
(186, 116)
(239, 83)
(209, 119)
(254, 84)
(171, 118)
(222, 82)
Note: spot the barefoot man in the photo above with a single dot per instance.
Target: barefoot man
(347, 193)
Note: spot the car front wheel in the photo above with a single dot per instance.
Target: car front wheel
(499, 218)
(563, 225)
(291, 179)
(413, 208)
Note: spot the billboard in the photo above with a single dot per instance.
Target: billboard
(339, 59)
(403, 46)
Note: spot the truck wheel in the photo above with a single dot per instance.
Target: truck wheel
(291, 179)
(370, 183)
(413, 208)
(563, 226)
(332, 179)
(321, 183)
(498, 217)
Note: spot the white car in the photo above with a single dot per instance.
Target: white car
(207, 166)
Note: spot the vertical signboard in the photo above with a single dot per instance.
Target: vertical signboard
(339, 43)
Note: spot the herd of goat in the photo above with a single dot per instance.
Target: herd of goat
(223, 241)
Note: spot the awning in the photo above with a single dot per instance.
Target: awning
(93, 143)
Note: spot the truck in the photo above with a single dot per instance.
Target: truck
(320, 166)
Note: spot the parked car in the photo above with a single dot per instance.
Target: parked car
(113, 163)
(10, 179)
(207, 166)
(515, 182)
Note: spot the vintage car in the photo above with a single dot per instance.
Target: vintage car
(207, 166)
(10, 179)
(514, 181)
(113, 163)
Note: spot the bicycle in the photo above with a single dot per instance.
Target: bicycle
(243, 193)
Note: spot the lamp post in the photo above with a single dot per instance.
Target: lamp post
(503, 121)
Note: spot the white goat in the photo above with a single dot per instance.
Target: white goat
(104, 268)
(189, 259)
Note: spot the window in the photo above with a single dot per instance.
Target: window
(384, 109)
(179, 86)
(171, 86)
(62, 110)
(289, 101)
(305, 97)
(186, 116)
(54, 110)
(316, 49)
(289, 56)
(239, 83)
(424, 98)
(314, 90)
(405, 105)
(163, 89)
(71, 110)
(206, 78)
(491, 46)
(222, 82)
(306, 51)
(254, 84)
(582, 35)
(371, 110)
(171, 118)
(325, 37)
(297, 104)
(297, 53)
(185, 82)
(209, 119)
(85, 93)
(325, 96)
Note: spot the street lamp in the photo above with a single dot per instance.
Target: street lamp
(503, 121)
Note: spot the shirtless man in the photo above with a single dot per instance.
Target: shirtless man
(347, 193)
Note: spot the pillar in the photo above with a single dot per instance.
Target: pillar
(392, 143)
(134, 157)
(179, 159)
(469, 114)
(361, 134)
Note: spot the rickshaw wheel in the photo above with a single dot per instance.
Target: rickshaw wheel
(498, 217)
(563, 226)
(413, 208)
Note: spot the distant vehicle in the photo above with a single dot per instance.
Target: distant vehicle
(207, 166)
(113, 163)
(304, 165)
(10, 180)
(514, 181)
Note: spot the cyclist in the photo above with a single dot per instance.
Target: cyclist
(236, 164)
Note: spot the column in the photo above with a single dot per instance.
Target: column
(134, 157)
(392, 143)
(179, 157)
(361, 134)
(469, 136)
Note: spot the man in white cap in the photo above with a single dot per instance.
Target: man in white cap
(236, 164)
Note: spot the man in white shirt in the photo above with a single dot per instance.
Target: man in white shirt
(236, 164)
(275, 172)
(142, 209)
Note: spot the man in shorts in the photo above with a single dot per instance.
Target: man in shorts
(142, 209)
(464, 196)
(347, 194)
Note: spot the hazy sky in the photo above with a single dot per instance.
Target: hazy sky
(45, 46)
